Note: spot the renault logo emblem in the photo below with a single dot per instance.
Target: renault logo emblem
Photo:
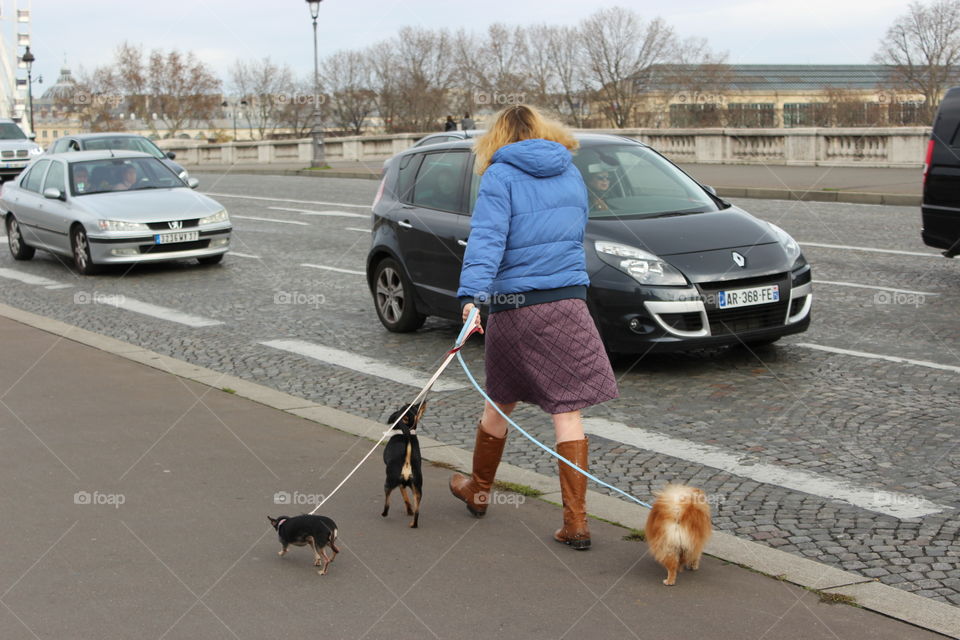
(739, 259)
(178, 224)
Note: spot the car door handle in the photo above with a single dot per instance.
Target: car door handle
(462, 243)
(405, 224)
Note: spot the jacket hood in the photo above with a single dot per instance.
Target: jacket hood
(537, 157)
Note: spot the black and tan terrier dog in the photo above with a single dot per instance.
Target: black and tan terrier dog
(316, 532)
(402, 459)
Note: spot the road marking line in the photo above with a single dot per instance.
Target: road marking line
(359, 229)
(309, 212)
(242, 255)
(3, 238)
(894, 251)
(361, 363)
(337, 269)
(898, 505)
(879, 356)
(59, 286)
(870, 286)
(334, 204)
(303, 224)
(28, 278)
(154, 311)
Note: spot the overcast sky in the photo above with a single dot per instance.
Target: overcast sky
(220, 31)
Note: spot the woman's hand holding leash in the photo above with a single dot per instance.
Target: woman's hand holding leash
(467, 308)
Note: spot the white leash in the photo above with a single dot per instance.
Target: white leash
(465, 333)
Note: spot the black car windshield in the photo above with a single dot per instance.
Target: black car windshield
(10, 131)
(630, 180)
(121, 174)
(128, 143)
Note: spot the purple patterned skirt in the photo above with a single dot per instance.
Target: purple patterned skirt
(547, 354)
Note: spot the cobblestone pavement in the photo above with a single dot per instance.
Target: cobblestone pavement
(882, 424)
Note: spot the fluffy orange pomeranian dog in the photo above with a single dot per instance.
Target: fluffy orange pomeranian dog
(678, 527)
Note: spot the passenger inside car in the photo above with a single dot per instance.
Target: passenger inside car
(128, 178)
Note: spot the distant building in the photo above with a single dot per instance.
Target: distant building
(765, 95)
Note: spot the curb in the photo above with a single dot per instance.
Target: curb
(310, 173)
(868, 593)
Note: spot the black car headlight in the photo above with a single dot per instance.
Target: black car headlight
(642, 266)
(790, 246)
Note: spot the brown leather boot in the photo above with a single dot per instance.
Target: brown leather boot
(475, 490)
(573, 487)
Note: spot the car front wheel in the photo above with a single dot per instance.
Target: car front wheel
(393, 296)
(18, 248)
(81, 251)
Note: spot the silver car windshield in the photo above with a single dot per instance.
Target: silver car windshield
(10, 131)
(626, 180)
(121, 174)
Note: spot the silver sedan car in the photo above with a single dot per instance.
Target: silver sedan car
(104, 207)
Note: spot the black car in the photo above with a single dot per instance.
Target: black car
(671, 265)
(117, 141)
(941, 179)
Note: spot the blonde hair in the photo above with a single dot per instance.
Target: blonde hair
(514, 124)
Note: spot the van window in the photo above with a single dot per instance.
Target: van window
(439, 183)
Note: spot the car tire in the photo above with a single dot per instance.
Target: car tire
(80, 248)
(18, 248)
(211, 259)
(393, 298)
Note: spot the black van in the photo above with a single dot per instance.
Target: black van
(941, 179)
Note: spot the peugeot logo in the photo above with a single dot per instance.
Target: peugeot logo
(739, 259)
(178, 224)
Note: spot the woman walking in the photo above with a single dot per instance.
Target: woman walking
(526, 260)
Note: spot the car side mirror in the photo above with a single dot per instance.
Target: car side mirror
(52, 193)
(171, 155)
(32, 136)
(709, 189)
(193, 183)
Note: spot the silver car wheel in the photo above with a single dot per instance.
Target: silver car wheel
(390, 298)
(13, 235)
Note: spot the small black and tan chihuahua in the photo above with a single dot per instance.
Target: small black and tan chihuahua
(316, 532)
(402, 459)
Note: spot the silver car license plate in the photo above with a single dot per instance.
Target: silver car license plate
(181, 236)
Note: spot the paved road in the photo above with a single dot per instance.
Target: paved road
(838, 444)
(138, 503)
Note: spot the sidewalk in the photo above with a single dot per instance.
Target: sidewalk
(860, 185)
(172, 538)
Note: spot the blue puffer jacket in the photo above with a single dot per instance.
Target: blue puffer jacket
(527, 226)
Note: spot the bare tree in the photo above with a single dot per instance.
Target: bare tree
(297, 114)
(620, 46)
(170, 88)
(95, 101)
(346, 77)
(423, 74)
(923, 47)
(266, 87)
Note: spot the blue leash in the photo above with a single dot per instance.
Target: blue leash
(468, 328)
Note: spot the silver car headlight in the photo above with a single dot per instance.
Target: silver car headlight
(789, 244)
(219, 216)
(642, 266)
(121, 225)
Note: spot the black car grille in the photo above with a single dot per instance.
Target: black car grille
(165, 226)
(174, 246)
(744, 282)
(796, 305)
(762, 316)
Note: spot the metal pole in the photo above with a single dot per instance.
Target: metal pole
(234, 123)
(30, 97)
(319, 155)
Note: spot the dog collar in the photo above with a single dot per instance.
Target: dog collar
(279, 524)
(413, 432)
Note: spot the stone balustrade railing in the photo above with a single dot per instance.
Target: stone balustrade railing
(842, 147)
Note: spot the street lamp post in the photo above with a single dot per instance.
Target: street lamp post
(28, 59)
(234, 109)
(316, 131)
